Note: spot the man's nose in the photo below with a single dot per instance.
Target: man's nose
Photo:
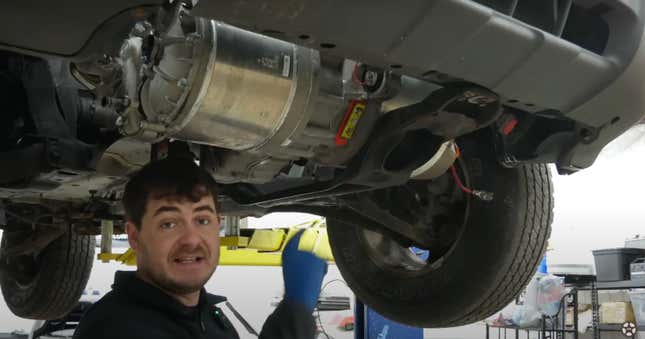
(190, 236)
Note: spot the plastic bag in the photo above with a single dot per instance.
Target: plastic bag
(543, 296)
(528, 314)
(550, 292)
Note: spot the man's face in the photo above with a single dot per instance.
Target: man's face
(177, 245)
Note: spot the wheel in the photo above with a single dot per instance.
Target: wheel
(484, 254)
(47, 285)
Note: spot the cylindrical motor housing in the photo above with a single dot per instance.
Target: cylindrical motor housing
(230, 88)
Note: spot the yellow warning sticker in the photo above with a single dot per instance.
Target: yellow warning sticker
(352, 121)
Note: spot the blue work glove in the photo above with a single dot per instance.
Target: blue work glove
(303, 273)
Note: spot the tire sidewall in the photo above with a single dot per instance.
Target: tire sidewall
(38, 299)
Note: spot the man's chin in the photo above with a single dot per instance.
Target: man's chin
(183, 287)
(189, 283)
(177, 281)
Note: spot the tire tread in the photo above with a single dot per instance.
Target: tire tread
(528, 251)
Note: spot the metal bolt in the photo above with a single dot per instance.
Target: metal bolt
(483, 195)
(193, 37)
(370, 78)
(586, 134)
(105, 60)
(139, 29)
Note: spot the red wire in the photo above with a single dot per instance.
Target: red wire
(458, 181)
(355, 75)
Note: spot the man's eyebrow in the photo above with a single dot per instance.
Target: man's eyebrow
(163, 209)
(204, 208)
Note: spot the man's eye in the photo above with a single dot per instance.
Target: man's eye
(168, 225)
(203, 221)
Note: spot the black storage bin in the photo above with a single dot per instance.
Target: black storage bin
(613, 264)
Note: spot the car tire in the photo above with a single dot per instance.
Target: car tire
(496, 254)
(56, 280)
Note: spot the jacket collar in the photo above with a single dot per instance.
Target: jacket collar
(128, 283)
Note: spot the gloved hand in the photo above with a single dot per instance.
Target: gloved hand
(303, 273)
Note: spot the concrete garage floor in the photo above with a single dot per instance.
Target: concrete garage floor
(474, 331)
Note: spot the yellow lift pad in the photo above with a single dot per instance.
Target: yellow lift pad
(266, 240)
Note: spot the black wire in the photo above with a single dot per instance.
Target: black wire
(332, 281)
(322, 328)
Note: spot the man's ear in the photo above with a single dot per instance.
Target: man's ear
(133, 235)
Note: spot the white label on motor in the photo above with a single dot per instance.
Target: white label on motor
(286, 67)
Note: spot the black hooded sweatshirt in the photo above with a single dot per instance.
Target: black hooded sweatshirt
(136, 309)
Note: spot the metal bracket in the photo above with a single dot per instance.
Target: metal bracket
(34, 243)
(380, 219)
(595, 312)
(370, 219)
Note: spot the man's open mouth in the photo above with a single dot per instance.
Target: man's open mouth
(188, 259)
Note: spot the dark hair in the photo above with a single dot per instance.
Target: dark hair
(171, 177)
